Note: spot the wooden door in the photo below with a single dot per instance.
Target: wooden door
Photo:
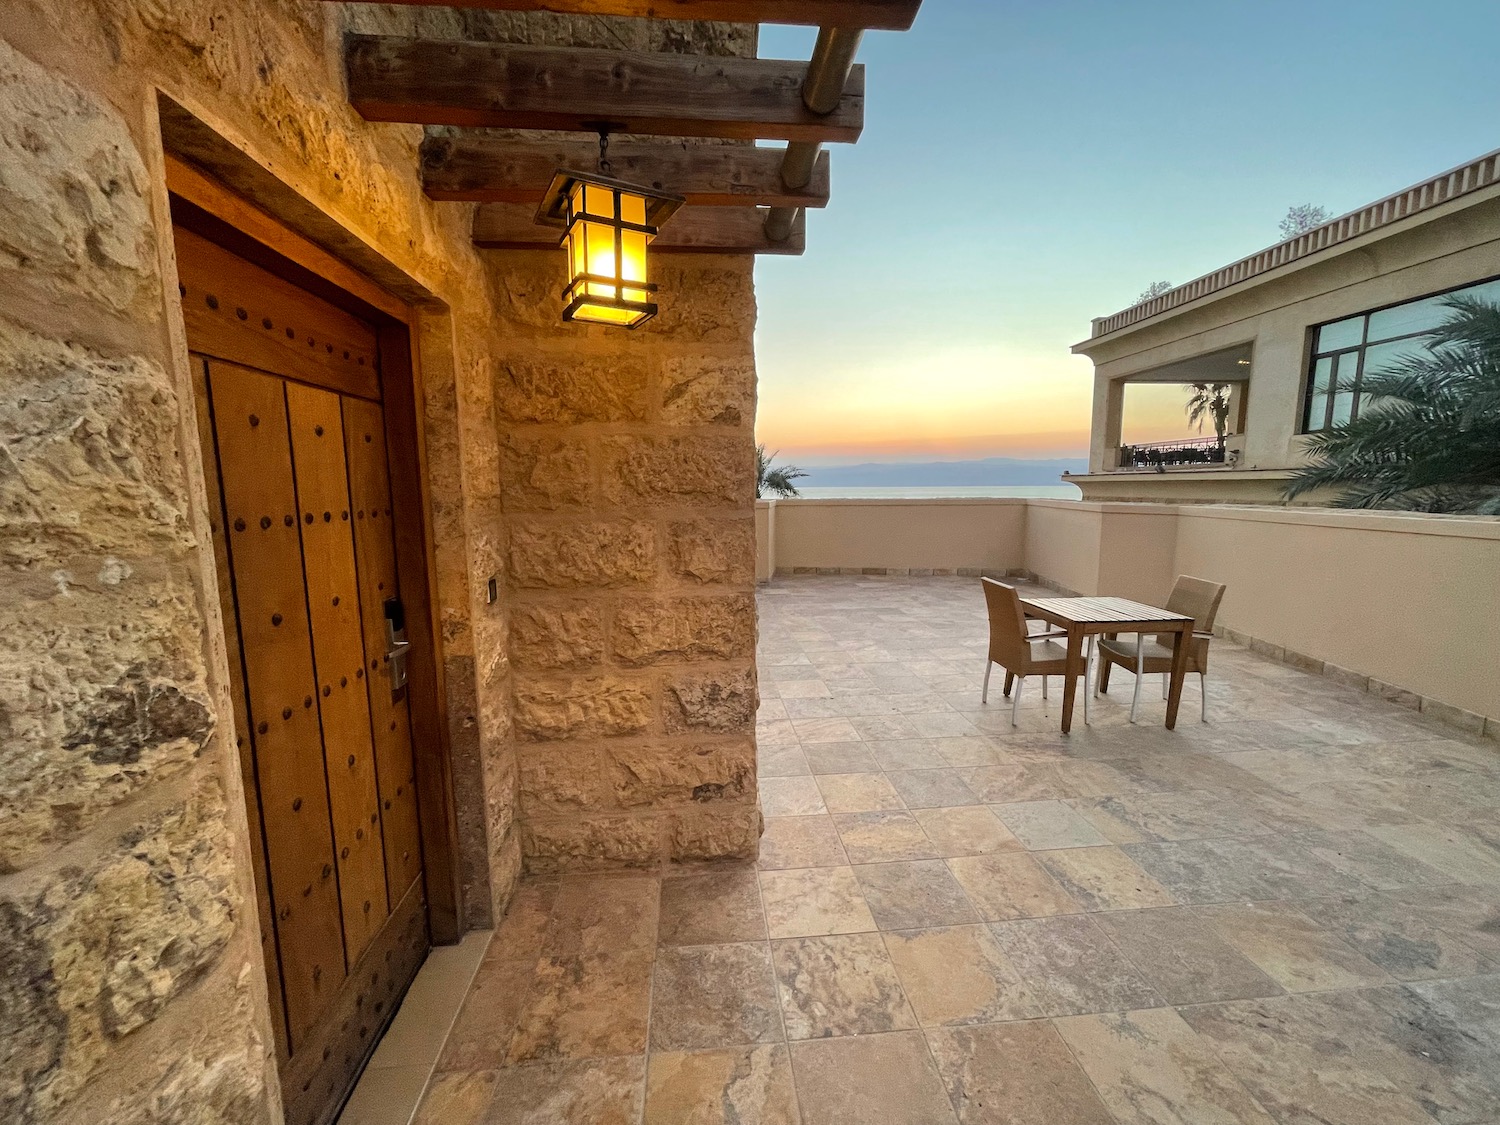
(293, 443)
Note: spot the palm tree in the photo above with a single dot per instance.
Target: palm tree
(1427, 437)
(1209, 400)
(774, 480)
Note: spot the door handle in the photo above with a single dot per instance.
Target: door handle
(397, 647)
(396, 657)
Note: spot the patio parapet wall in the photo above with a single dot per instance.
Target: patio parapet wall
(132, 988)
(1405, 606)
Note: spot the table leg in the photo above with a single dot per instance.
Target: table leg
(1071, 670)
(1179, 673)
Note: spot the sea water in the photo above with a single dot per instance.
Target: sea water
(940, 491)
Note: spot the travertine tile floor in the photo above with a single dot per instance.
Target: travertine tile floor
(1290, 914)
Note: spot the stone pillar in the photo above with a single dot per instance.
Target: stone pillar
(1104, 433)
(627, 486)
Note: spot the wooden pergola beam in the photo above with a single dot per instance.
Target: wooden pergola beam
(483, 168)
(693, 230)
(884, 15)
(434, 82)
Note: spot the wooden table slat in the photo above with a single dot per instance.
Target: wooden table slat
(1099, 610)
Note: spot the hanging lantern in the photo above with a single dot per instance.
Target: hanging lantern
(607, 225)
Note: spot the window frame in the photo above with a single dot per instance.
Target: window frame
(1312, 355)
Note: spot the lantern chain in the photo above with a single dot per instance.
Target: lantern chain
(604, 165)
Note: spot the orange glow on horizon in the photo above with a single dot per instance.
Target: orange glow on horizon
(957, 402)
(963, 405)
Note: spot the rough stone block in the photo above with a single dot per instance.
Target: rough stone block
(72, 750)
(544, 474)
(560, 780)
(712, 550)
(545, 636)
(96, 953)
(505, 872)
(73, 209)
(600, 553)
(708, 391)
(219, 1077)
(710, 300)
(569, 389)
(722, 702)
(648, 631)
(672, 773)
(551, 845)
(90, 462)
(688, 471)
(721, 833)
(526, 292)
(582, 708)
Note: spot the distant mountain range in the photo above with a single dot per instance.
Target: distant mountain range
(989, 470)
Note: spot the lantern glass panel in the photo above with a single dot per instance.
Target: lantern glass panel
(604, 257)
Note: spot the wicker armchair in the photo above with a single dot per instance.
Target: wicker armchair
(1019, 652)
(1147, 655)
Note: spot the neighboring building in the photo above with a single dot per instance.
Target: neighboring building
(1286, 327)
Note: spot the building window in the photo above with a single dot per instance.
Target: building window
(1346, 352)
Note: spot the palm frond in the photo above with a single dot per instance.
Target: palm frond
(775, 479)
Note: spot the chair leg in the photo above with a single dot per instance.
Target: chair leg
(1088, 664)
(1165, 676)
(1010, 678)
(1140, 674)
(1044, 687)
(1203, 687)
(1015, 702)
(984, 694)
(1104, 666)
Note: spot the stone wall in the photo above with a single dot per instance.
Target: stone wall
(627, 482)
(131, 988)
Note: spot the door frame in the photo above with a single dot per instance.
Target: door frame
(203, 205)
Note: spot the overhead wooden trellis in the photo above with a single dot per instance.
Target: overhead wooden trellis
(740, 199)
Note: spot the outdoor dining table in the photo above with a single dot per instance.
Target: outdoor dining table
(1083, 617)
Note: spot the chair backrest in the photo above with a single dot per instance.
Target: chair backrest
(1007, 624)
(1199, 598)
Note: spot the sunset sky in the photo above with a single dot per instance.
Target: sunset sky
(1028, 166)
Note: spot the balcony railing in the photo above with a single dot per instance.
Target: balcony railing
(1471, 177)
(1168, 454)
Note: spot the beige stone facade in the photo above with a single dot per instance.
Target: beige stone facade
(600, 706)
(1433, 237)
